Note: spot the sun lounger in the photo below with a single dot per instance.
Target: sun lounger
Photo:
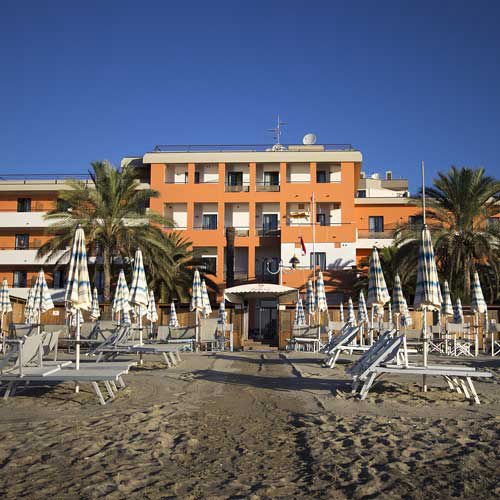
(305, 338)
(334, 347)
(170, 353)
(184, 336)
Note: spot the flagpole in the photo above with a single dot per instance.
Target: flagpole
(314, 243)
(423, 191)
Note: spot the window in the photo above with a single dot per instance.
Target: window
(24, 204)
(320, 260)
(22, 241)
(376, 224)
(197, 177)
(270, 222)
(235, 178)
(361, 193)
(59, 280)
(321, 176)
(321, 219)
(62, 205)
(209, 264)
(271, 178)
(416, 220)
(19, 279)
(209, 221)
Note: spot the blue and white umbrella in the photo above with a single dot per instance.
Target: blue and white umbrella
(378, 295)
(222, 318)
(78, 294)
(406, 320)
(446, 305)
(341, 311)
(95, 312)
(139, 295)
(362, 310)
(478, 304)
(351, 319)
(458, 314)
(5, 305)
(152, 315)
(42, 301)
(207, 308)
(197, 300)
(172, 322)
(398, 300)
(310, 300)
(321, 294)
(121, 306)
(300, 318)
(28, 308)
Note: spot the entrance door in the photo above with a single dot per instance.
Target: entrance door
(267, 320)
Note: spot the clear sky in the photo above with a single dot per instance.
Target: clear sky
(402, 81)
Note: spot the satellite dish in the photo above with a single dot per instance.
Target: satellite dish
(309, 139)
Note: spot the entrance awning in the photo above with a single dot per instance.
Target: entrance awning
(238, 294)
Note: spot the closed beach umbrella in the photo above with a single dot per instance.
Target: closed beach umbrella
(121, 304)
(300, 318)
(478, 303)
(362, 310)
(151, 314)
(310, 300)
(5, 305)
(350, 313)
(197, 301)
(95, 312)
(341, 312)
(458, 314)
(398, 300)
(446, 305)
(78, 292)
(42, 299)
(139, 297)
(389, 310)
(406, 320)
(28, 308)
(321, 294)
(378, 295)
(172, 322)
(428, 292)
(207, 308)
(222, 318)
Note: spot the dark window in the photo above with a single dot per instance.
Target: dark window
(59, 280)
(270, 221)
(361, 193)
(235, 178)
(210, 264)
(321, 219)
(320, 260)
(22, 241)
(62, 205)
(24, 204)
(376, 224)
(416, 220)
(209, 221)
(19, 279)
(321, 176)
(197, 177)
(271, 178)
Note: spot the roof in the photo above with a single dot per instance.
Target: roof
(237, 294)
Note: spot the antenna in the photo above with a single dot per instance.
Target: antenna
(277, 131)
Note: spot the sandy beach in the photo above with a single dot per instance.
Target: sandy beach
(252, 425)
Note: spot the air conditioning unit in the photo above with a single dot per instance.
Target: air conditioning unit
(388, 175)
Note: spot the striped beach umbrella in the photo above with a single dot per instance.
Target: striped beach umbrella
(406, 320)
(139, 295)
(446, 305)
(207, 308)
(95, 312)
(151, 314)
(172, 322)
(121, 304)
(341, 311)
(78, 294)
(458, 314)
(378, 295)
(300, 318)
(321, 294)
(5, 305)
(42, 299)
(197, 300)
(222, 318)
(398, 299)
(478, 304)
(28, 308)
(310, 300)
(362, 310)
(351, 319)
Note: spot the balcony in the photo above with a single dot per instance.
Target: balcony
(374, 235)
(211, 227)
(240, 231)
(238, 188)
(13, 219)
(268, 232)
(266, 187)
(239, 275)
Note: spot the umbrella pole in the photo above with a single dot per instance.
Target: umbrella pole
(77, 386)
(426, 347)
(371, 329)
(197, 328)
(397, 323)
(140, 329)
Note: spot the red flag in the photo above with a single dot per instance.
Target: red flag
(303, 246)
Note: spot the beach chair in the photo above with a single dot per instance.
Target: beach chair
(225, 337)
(334, 347)
(495, 338)
(463, 343)
(437, 341)
(305, 338)
(209, 334)
(183, 336)
(17, 330)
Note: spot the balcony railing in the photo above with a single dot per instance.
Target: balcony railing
(367, 234)
(205, 228)
(183, 181)
(188, 148)
(31, 246)
(239, 275)
(268, 232)
(267, 187)
(240, 230)
(238, 188)
(293, 223)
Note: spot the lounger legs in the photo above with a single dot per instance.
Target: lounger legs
(98, 392)
(473, 390)
(109, 389)
(172, 358)
(366, 386)
(167, 360)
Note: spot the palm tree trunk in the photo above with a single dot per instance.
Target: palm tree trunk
(106, 263)
(467, 278)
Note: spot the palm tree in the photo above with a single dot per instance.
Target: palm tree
(460, 205)
(111, 210)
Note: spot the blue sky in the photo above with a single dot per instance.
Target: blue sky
(402, 81)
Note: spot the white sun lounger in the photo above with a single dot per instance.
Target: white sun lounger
(170, 353)
(334, 347)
